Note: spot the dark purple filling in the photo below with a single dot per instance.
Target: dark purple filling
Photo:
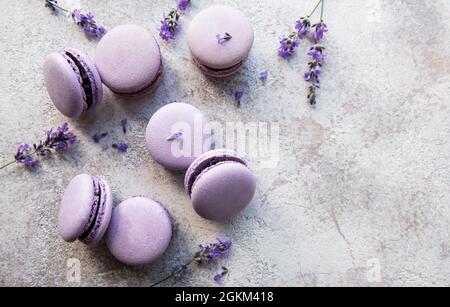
(207, 164)
(97, 198)
(86, 82)
(223, 69)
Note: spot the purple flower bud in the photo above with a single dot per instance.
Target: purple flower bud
(220, 274)
(121, 147)
(176, 136)
(213, 251)
(26, 156)
(99, 136)
(183, 4)
(124, 123)
(302, 26)
(87, 22)
(223, 39)
(319, 31)
(169, 25)
(288, 45)
(263, 75)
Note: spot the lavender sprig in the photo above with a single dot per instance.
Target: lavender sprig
(57, 140)
(302, 28)
(206, 253)
(85, 21)
(169, 24)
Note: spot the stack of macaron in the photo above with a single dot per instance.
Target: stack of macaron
(128, 61)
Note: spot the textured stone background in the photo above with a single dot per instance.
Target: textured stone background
(363, 176)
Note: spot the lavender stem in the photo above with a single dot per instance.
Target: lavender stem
(321, 11)
(173, 274)
(315, 8)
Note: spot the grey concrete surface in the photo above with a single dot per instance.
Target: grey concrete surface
(363, 179)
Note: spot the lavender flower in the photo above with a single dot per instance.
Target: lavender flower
(263, 75)
(238, 96)
(220, 274)
(52, 5)
(213, 251)
(319, 30)
(183, 4)
(57, 140)
(99, 136)
(169, 25)
(312, 75)
(302, 26)
(206, 254)
(176, 136)
(87, 22)
(121, 147)
(124, 123)
(288, 45)
(25, 155)
(223, 39)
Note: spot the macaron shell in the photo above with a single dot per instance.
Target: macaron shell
(170, 119)
(215, 20)
(94, 76)
(223, 73)
(205, 160)
(76, 207)
(63, 85)
(104, 215)
(140, 231)
(128, 59)
(223, 191)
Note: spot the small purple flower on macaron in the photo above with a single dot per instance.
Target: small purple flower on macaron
(175, 136)
(220, 274)
(124, 123)
(121, 147)
(57, 140)
(99, 136)
(183, 4)
(223, 39)
(87, 22)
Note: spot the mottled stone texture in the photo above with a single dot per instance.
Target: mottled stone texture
(363, 176)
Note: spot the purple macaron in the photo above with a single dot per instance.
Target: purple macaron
(129, 61)
(72, 82)
(220, 185)
(220, 39)
(176, 135)
(140, 231)
(85, 210)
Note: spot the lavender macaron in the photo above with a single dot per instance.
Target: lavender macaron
(85, 210)
(72, 82)
(220, 185)
(140, 231)
(129, 61)
(220, 39)
(176, 135)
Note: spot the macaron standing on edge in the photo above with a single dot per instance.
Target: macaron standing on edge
(85, 210)
(129, 61)
(72, 82)
(140, 231)
(220, 39)
(220, 185)
(176, 135)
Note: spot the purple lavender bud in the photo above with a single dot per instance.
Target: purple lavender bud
(169, 25)
(213, 251)
(220, 274)
(238, 96)
(302, 26)
(288, 45)
(121, 147)
(25, 155)
(223, 39)
(319, 31)
(183, 4)
(99, 136)
(124, 123)
(263, 75)
(176, 136)
(88, 23)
